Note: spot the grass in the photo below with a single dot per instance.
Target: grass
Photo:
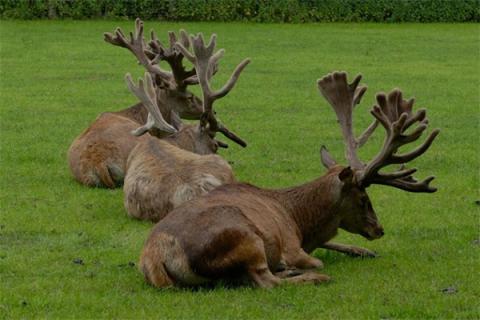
(56, 77)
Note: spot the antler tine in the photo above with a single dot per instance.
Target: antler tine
(395, 115)
(184, 39)
(411, 186)
(343, 97)
(205, 61)
(145, 91)
(174, 58)
(400, 106)
(136, 45)
(363, 138)
(230, 135)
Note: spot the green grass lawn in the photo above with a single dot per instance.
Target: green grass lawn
(56, 77)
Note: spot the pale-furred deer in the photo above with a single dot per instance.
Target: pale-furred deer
(163, 174)
(98, 157)
(239, 231)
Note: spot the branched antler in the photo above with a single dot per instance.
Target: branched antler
(205, 61)
(173, 57)
(136, 45)
(145, 92)
(395, 115)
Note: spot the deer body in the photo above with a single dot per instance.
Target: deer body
(241, 231)
(162, 174)
(97, 158)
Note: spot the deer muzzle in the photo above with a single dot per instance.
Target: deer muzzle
(373, 232)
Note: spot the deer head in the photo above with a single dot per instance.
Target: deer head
(171, 86)
(396, 116)
(357, 211)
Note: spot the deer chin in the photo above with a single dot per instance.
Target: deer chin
(371, 235)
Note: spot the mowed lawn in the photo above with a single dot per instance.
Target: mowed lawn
(67, 251)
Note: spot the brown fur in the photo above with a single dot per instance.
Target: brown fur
(239, 230)
(163, 174)
(98, 157)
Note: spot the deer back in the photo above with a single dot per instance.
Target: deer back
(137, 113)
(161, 176)
(97, 157)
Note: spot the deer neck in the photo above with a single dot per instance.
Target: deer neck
(137, 113)
(314, 207)
(183, 139)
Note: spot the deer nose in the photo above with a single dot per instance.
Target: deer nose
(380, 232)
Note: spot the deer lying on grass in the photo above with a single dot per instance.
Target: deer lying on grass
(242, 231)
(98, 156)
(163, 174)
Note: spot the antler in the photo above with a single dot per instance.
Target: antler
(173, 57)
(343, 97)
(136, 45)
(395, 115)
(145, 91)
(205, 61)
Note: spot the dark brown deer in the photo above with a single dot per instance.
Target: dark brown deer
(163, 174)
(98, 156)
(239, 231)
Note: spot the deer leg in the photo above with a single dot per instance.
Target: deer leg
(259, 272)
(254, 257)
(292, 272)
(303, 260)
(304, 277)
(263, 278)
(349, 250)
(287, 273)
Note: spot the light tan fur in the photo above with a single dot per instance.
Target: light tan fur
(161, 176)
(97, 158)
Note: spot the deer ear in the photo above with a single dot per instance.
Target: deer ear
(327, 159)
(346, 175)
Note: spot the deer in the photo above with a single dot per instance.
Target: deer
(98, 156)
(163, 174)
(240, 232)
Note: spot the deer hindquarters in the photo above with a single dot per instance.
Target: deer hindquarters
(228, 254)
(165, 264)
